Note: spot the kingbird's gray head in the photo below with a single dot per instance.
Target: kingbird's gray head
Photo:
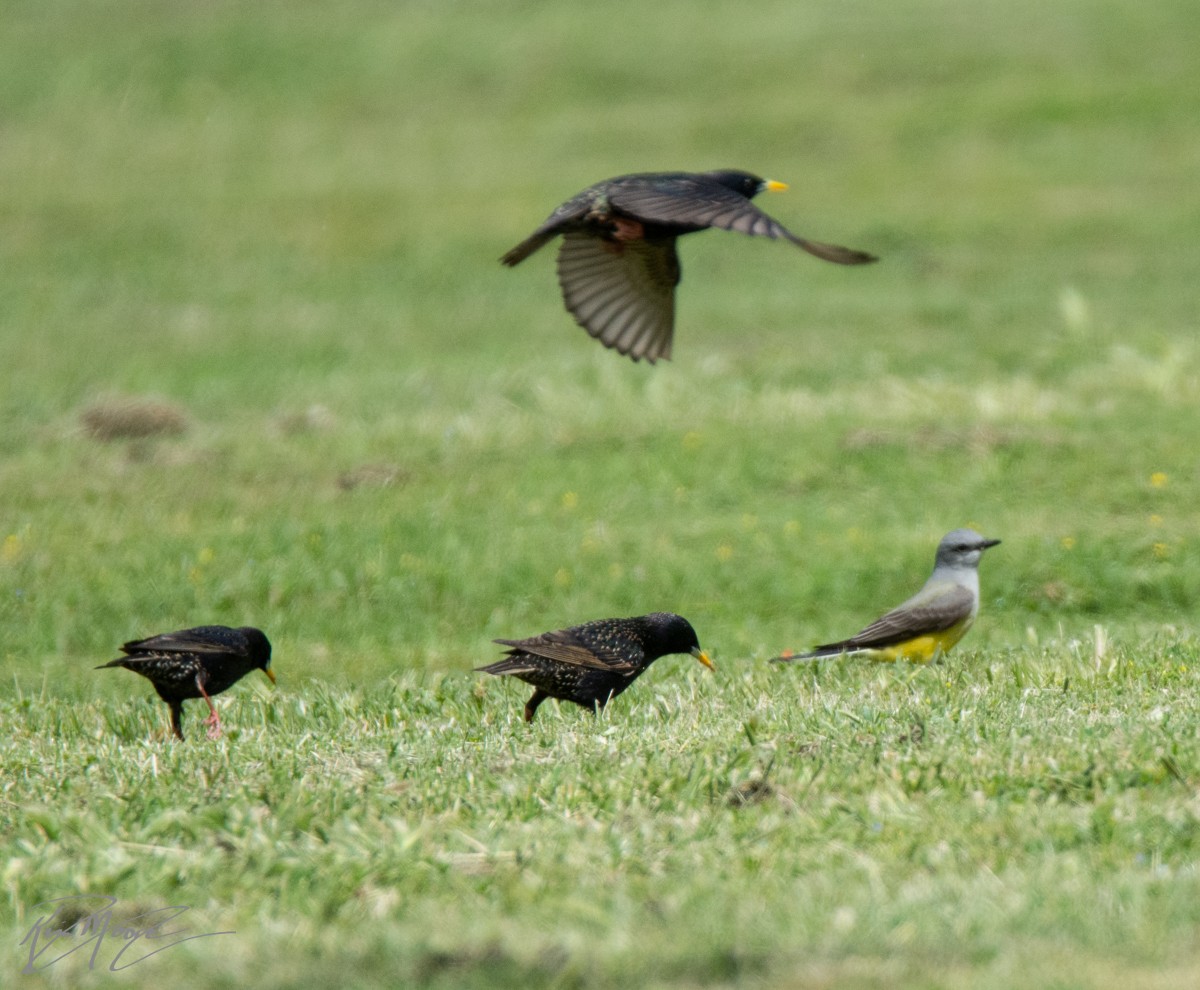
(962, 548)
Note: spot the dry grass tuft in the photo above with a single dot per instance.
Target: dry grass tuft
(133, 418)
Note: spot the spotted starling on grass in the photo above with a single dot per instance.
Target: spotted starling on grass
(592, 663)
(617, 264)
(197, 663)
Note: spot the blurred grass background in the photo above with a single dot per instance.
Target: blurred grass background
(282, 222)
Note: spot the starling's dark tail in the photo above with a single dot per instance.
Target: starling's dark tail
(526, 248)
(509, 665)
(831, 252)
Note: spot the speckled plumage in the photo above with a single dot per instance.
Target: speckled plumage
(196, 663)
(617, 264)
(591, 663)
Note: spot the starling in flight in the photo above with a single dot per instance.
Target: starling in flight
(197, 663)
(617, 264)
(591, 663)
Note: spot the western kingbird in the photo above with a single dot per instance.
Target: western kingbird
(930, 622)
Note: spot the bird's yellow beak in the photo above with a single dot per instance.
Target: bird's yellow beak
(772, 186)
(700, 655)
(270, 673)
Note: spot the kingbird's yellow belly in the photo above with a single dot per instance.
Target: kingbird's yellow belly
(922, 649)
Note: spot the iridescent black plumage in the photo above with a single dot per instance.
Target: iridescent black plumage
(196, 663)
(617, 264)
(591, 663)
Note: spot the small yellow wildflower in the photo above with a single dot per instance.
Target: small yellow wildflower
(1161, 550)
(1158, 479)
(725, 551)
(570, 500)
(11, 549)
(1068, 543)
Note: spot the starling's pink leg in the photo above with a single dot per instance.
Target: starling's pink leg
(628, 230)
(177, 718)
(531, 706)
(213, 721)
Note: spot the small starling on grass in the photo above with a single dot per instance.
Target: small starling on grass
(197, 663)
(592, 663)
